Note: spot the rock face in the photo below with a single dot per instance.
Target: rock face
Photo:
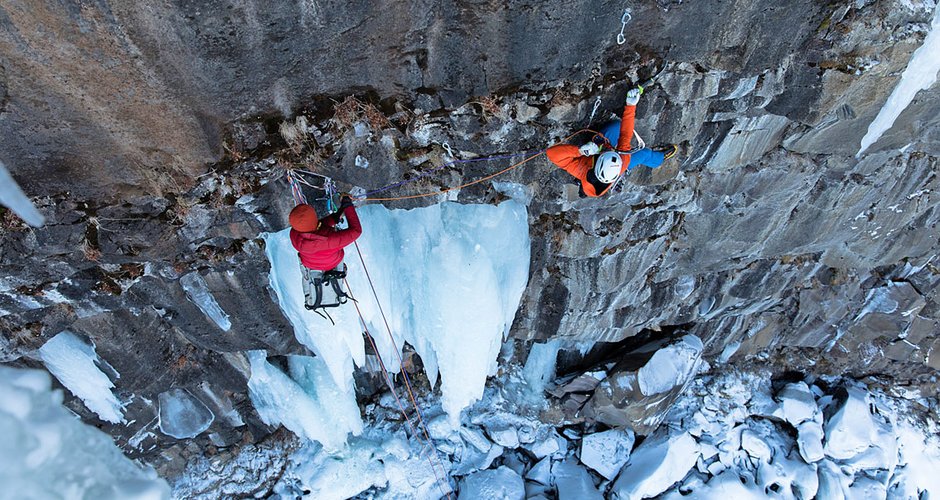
(766, 233)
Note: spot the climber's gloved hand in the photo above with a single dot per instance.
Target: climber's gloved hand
(633, 97)
(345, 202)
(590, 149)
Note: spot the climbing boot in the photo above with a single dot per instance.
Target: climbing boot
(669, 150)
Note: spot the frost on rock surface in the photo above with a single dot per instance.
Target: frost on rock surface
(572, 482)
(198, 292)
(670, 366)
(76, 365)
(308, 402)
(921, 73)
(449, 278)
(606, 452)
(655, 466)
(12, 197)
(48, 453)
(182, 415)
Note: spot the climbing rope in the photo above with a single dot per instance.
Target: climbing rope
(439, 477)
(437, 169)
(295, 189)
(482, 179)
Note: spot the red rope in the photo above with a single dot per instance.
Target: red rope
(388, 380)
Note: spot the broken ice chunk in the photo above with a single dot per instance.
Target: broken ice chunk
(572, 482)
(182, 415)
(541, 472)
(606, 452)
(501, 483)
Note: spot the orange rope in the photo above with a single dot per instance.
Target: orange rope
(483, 179)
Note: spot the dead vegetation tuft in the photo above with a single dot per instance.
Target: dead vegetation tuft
(352, 110)
(489, 106)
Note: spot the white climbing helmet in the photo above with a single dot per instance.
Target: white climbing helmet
(607, 166)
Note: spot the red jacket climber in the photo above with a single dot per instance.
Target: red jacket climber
(598, 170)
(319, 243)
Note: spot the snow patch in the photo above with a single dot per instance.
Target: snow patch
(920, 74)
(48, 453)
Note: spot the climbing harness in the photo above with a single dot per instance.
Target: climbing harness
(318, 282)
(624, 19)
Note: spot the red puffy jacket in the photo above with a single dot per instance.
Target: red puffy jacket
(322, 249)
(568, 157)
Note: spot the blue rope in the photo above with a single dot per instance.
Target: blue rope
(437, 169)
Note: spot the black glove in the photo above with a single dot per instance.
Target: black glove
(345, 202)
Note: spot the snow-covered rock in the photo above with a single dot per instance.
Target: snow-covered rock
(670, 366)
(573, 482)
(182, 415)
(606, 452)
(657, 464)
(505, 436)
(755, 446)
(502, 483)
(809, 440)
(797, 403)
(545, 443)
(849, 430)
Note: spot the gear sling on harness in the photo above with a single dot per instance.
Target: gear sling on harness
(318, 284)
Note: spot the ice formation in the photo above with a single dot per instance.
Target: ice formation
(449, 278)
(75, 364)
(308, 402)
(921, 73)
(48, 453)
(182, 415)
(12, 197)
(198, 292)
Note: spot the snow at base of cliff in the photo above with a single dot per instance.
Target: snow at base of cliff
(730, 435)
(45, 452)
